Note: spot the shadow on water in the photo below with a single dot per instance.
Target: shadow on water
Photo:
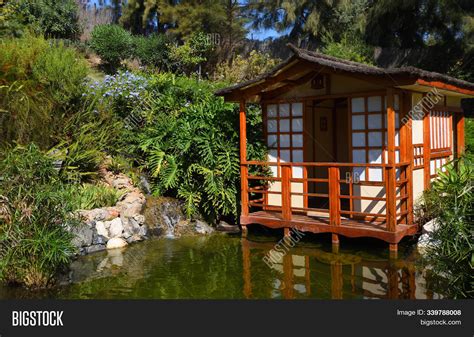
(230, 267)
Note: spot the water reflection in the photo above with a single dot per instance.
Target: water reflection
(223, 267)
(305, 272)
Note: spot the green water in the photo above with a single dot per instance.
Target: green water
(229, 267)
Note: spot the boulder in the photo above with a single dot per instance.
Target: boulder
(116, 228)
(116, 243)
(223, 226)
(82, 235)
(101, 230)
(162, 214)
(202, 227)
(94, 248)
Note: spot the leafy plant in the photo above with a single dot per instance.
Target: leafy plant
(112, 43)
(152, 50)
(89, 196)
(33, 236)
(450, 202)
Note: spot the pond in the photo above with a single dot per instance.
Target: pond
(231, 267)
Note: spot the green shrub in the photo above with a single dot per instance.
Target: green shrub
(152, 50)
(451, 250)
(39, 85)
(89, 196)
(34, 214)
(112, 43)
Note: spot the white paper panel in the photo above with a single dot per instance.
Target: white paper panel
(274, 170)
(285, 156)
(284, 125)
(358, 104)
(272, 125)
(297, 172)
(284, 141)
(284, 110)
(297, 109)
(358, 139)
(297, 156)
(374, 103)
(375, 138)
(271, 110)
(397, 138)
(297, 140)
(297, 125)
(397, 156)
(272, 141)
(358, 156)
(359, 173)
(375, 174)
(432, 167)
(358, 122)
(375, 156)
(375, 121)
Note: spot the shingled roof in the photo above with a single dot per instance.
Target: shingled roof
(338, 64)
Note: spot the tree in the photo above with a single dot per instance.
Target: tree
(112, 43)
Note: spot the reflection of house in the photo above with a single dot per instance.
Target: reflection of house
(350, 146)
(313, 273)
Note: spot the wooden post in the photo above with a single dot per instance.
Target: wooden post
(390, 185)
(460, 142)
(286, 192)
(334, 201)
(407, 155)
(426, 148)
(243, 161)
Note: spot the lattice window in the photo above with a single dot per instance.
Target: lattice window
(369, 134)
(441, 139)
(284, 132)
(418, 159)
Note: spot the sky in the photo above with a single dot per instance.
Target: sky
(253, 33)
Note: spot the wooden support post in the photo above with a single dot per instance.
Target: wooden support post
(286, 192)
(243, 161)
(426, 148)
(390, 186)
(460, 141)
(245, 231)
(334, 201)
(407, 155)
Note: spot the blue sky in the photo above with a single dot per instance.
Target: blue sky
(253, 33)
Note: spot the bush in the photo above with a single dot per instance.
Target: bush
(112, 43)
(450, 202)
(39, 84)
(152, 50)
(244, 68)
(34, 214)
(89, 196)
(53, 18)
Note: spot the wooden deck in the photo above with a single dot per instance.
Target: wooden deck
(320, 224)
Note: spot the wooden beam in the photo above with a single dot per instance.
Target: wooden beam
(460, 141)
(406, 150)
(284, 89)
(426, 147)
(444, 86)
(243, 160)
(390, 169)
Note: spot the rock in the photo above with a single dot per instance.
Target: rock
(94, 248)
(184, 227)
(202, 227)
(430, 227)
(97, 214)
(132, 204)
(112, 213)
(223, 226)
(135, 238)
(116, 243)
(99, 240)
(83, 234)
(116, 228)
(121, 183)
(101, 230)
(162, 214)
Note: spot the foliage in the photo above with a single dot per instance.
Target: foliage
(112, 43)
(451, 250)
(35, 243)
(244, 68)
(89, 196)
(348, 48)
(10, 20)
(193, 52)
(39, 85)
(469, 134)
(53, 18)
(188, 143)
(152, 50)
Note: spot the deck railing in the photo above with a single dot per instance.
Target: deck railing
(327, 190)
